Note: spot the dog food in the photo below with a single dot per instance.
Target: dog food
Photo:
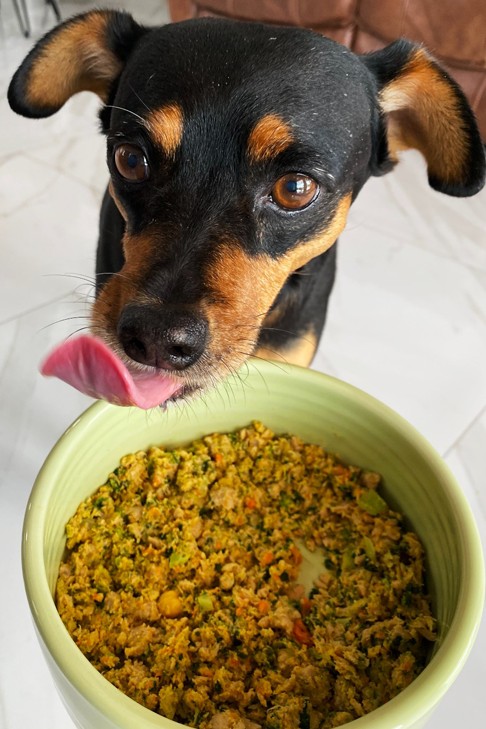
(183, 584)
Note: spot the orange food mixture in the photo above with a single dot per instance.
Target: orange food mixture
(182, 585)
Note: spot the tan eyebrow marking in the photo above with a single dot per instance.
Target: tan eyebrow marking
(270, 136)
(166, 126)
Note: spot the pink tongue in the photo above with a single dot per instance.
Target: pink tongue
(90, 366)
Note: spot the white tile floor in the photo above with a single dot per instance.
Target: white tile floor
(407, 324)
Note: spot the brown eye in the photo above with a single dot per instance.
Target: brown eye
(131, 163)
(294, 191)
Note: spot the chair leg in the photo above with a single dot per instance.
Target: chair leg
(55, 6)
(22, 16)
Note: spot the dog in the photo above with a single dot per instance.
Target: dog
(235, 151)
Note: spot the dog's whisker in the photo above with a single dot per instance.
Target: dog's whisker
(112, 273)
(251, 364)
(286, 331)
(80, 298)
(77, 331)
(71, 334)
(262, 328)
(70, 274)
(273, 361)
(61, 321)
(80, 276)
(303, 273)
(139, 98)
(129, 111)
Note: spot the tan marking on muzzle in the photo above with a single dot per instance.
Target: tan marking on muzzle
(270, 136)
(166, 126)
(246, 286)
(126, 287)
(309, 249)
(300, 353)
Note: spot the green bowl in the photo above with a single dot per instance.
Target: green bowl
(318, 408)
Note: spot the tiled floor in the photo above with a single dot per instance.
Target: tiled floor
(407, 324)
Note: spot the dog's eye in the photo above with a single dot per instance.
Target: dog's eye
(294, 191)
(131, 163)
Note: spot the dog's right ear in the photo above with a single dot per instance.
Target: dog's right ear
(86, 53)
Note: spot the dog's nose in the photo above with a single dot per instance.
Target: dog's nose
(166, 339)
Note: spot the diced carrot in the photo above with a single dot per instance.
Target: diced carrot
(267, 558)
(205, 671)
(263, 606)
(240, 611)
(305, 606)
(250, 502)
(301, 633)
(149, 551)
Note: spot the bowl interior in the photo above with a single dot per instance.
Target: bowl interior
(318, 408)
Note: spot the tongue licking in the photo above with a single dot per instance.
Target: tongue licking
(90, 366)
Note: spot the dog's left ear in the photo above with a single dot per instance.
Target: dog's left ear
(424, 109)
(86, 53)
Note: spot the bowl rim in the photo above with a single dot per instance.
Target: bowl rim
(413, 703)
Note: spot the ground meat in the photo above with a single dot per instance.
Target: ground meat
(181, 583)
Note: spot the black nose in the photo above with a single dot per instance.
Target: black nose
(162, 338)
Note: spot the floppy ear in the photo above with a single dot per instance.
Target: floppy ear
(86, 53)
(425, 109)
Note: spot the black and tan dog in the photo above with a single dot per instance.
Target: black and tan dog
(235, 151)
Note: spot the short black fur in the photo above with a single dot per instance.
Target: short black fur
(209, 193)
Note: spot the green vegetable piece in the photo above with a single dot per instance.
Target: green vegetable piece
(347, 562)
(372, 502)
(369, 548)
(177, 558)
(205, 602)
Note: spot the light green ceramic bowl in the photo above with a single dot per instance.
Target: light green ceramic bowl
(287, 399)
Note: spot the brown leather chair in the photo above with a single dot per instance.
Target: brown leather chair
(454, 31)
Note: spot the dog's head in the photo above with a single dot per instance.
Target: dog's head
(235, 151)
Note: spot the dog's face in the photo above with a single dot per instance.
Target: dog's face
(235, 151)
(223, 164)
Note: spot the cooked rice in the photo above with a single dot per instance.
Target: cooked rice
(180, 584)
